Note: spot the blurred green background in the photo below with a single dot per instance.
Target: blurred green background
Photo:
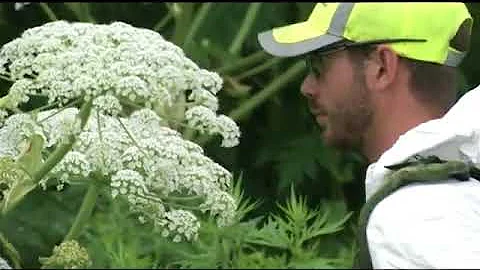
(280, 145)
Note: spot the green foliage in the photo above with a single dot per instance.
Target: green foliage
(40, 221)
(288, 239)
(270, 241)
(302, 158)
(116, 239)
(297, 231)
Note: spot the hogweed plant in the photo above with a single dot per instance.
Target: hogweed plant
(117, 107)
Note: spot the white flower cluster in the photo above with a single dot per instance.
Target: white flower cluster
(59, 124)
(206, 121)
(221, 204)
(107, 104)
(146, 161)
(4, 264)
(14, 134)
(134, 79)
(129, 183)
(115, 64)
(73, 166)
(182, 224)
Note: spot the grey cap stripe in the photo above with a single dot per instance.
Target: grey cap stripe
(334, 34)
(340, 18)
(269, 44)
(454, 58)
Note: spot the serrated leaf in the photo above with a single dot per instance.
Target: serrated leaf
(299, 159)
(332, 221)
(270, 235)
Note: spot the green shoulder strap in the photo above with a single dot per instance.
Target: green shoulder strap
(421, 169)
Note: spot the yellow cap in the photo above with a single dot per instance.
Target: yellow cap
(433, 25)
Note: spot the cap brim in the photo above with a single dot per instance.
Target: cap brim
(295, 40)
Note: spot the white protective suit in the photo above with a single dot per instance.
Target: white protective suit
(430, 225)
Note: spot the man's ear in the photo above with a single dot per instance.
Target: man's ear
(382, 68)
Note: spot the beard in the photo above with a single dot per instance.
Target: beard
(349, 118)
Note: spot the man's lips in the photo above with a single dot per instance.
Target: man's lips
(321, 118)
(316, 112)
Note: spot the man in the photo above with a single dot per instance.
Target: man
(382, 80)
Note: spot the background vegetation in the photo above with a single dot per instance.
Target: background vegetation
(307, 194)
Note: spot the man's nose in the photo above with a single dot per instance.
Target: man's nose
(308, 86)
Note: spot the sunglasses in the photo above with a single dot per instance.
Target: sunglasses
(315, 61)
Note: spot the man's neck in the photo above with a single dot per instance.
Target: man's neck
(388, 127)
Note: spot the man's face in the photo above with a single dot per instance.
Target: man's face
(339, 100)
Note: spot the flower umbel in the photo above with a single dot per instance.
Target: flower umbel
(67, 255)
(133, 137)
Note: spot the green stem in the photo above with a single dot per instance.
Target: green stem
(201, 15)
(245, 28)
(242, 63)
(11, 252)
(81, 11)
(171, 8)
(167, 201)
(55, 113)
(250, 104)
(100, 136)
(189, 133)
(183, 199)
(84, 213)
(41, 108)
(130, 103)
(258, 69)
(165, 117)
(180, 206)
(163, 21)
(183, 19)
(51, 15)
(63, 149)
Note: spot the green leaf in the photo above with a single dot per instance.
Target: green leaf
(244, 204)
(329, 224)
(219, 55)
(270, 235)
(31, 159)
(40, 221)
(298, 160)
(16, 184)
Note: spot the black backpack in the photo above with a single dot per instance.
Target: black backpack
(417, 170)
